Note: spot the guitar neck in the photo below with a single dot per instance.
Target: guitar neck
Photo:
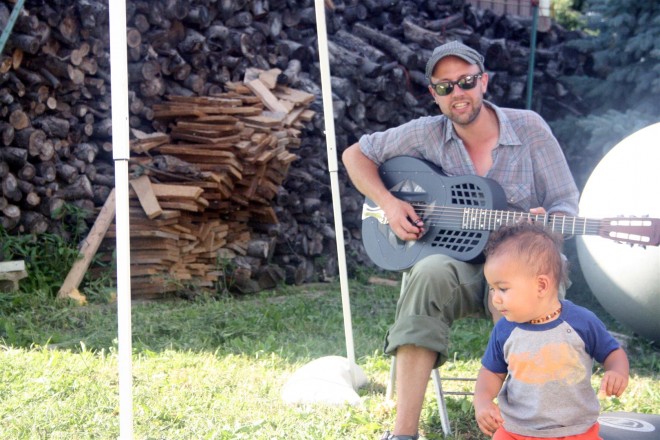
(490, 220)
(644, 231)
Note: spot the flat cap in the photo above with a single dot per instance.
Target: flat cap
(457, 49)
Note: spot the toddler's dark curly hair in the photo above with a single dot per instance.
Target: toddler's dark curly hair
(539, 248)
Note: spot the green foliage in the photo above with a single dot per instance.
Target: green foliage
(592, 137)
(73, 221)
(626, 54)
(567, 13)
(48, 259)
(618, 87)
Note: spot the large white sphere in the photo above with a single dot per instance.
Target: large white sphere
(625, 279)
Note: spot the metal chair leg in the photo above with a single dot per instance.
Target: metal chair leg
(442, 406)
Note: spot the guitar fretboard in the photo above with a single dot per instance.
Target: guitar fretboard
(641, 231)
(490, 220)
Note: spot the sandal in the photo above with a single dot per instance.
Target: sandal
(388, 436)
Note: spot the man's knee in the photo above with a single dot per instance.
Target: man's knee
(442, 275)
(434, 274)
(433, 264)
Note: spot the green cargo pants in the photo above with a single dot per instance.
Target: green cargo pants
(438, 291)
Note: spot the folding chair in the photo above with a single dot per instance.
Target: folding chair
(437, 383)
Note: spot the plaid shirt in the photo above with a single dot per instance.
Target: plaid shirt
(527, 162)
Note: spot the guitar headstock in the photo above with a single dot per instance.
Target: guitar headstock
(643, 231)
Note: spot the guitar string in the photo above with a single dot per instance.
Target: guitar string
(582, 226)
(460, 210)
(448, 213)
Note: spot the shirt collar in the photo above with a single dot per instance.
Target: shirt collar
(508, 135)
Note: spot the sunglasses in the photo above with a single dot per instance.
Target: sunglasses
(468, 82)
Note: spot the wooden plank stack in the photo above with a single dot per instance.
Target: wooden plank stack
(197, 185)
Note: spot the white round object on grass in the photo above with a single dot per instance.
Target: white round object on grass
(625, 279)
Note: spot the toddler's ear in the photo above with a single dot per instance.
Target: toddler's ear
(543, 285)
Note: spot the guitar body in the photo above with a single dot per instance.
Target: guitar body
(431, 192)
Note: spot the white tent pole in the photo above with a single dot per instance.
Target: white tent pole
(121, 153)
(328, 115)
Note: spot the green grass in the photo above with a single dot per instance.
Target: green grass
(214, 368)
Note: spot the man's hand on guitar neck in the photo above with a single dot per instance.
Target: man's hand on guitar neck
(403, 219)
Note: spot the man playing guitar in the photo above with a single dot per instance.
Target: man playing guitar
(471, 136)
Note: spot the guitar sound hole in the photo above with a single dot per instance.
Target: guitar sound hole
(467, 194)
(457, 241)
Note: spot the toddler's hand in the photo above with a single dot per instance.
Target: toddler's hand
(488, 418)
(613, 384)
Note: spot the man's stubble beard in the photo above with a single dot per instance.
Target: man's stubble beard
(465, 120)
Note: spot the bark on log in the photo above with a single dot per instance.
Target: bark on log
(390, 45)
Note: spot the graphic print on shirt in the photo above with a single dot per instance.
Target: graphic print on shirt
(552, 362)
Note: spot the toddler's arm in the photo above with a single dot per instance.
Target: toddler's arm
(486, 411)
(616, 375)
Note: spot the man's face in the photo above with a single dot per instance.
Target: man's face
(460, 106)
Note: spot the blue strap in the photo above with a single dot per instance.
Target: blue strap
(10, 24)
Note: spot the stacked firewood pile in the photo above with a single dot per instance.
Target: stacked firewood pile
(218, 168)
(277, 221)
(55, 118)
